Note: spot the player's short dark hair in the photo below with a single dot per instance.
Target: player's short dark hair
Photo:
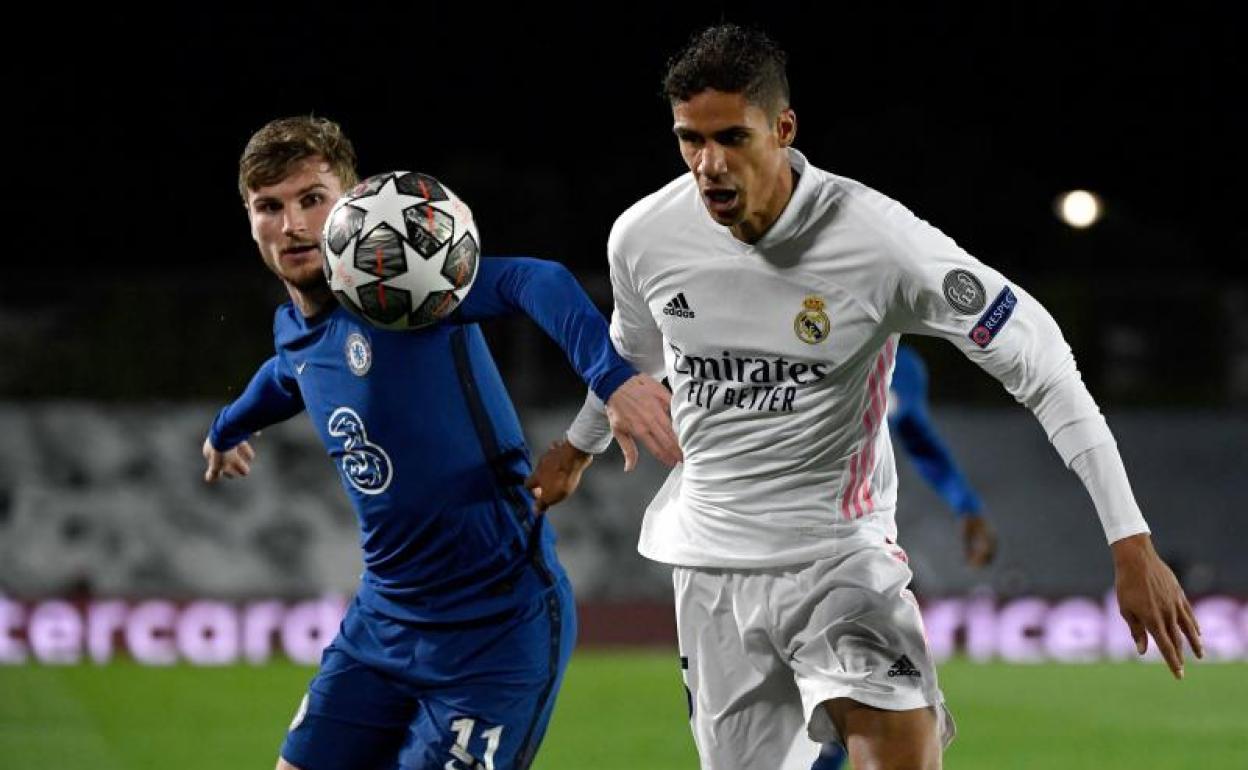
(731, 59)
(274, 151)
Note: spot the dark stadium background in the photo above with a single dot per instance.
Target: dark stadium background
(134, 251)
(134, 304)
(134, 283)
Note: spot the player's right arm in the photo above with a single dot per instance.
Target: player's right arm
(271, 397)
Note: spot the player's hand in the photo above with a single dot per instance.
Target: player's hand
(1152, 603)
(641, 408)
(230, 464)
(979, 541)
(558, 474)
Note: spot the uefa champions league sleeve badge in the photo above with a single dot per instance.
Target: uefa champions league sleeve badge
(964, 292)
(812, 324)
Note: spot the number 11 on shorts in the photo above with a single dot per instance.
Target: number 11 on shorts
(459, 752)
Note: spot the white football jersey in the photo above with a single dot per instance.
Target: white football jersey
(779, 355)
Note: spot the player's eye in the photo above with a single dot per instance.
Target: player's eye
(692, 139)
(311, 200)
(268, 207)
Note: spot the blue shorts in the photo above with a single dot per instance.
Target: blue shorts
(403, 696)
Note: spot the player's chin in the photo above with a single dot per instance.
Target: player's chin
(307, 278)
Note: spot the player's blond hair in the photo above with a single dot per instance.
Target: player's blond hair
(274, 151)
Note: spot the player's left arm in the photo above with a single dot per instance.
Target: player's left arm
(549, 294)
(943, 291)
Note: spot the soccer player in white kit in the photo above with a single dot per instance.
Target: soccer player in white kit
(772, 294)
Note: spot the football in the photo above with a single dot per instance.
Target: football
(401, 250)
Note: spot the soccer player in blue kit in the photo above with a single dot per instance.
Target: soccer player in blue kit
(452, 651)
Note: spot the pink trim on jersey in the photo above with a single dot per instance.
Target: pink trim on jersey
(846, 504)
(858, 500)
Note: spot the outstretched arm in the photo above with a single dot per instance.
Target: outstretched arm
(639, 410)
(271, 397)
(1149, 596)
(943, 291)
(547, 293)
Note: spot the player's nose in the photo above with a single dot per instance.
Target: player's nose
(712, 161)
(294, 222)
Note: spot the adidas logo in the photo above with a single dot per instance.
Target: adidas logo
(903, 667)
(678, 307)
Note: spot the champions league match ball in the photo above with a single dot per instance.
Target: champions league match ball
(401, 250)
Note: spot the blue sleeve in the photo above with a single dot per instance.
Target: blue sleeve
(271, 397)
(913, 428)
(546, 292)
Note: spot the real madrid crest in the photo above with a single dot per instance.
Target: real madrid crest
(359, 354)
(812, 325)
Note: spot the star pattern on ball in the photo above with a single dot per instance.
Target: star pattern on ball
(387, 206)
(426, 272)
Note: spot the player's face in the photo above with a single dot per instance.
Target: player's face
(286, 220)
(738, 156)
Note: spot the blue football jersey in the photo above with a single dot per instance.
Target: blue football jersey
(426, 440)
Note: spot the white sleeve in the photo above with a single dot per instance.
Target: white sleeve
(1102, 473)
(590, 432)
(633, 331)
(636, 337)
(943, 291)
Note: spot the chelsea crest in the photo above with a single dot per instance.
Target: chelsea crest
(812, 324)
(359, 354)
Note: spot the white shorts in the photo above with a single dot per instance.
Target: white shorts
(764, 649)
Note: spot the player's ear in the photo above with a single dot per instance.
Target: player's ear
(786, 127)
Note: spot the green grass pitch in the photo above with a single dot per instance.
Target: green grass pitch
(626, 711)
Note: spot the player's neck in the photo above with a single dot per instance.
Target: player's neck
(310, 301)
(755, 226)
